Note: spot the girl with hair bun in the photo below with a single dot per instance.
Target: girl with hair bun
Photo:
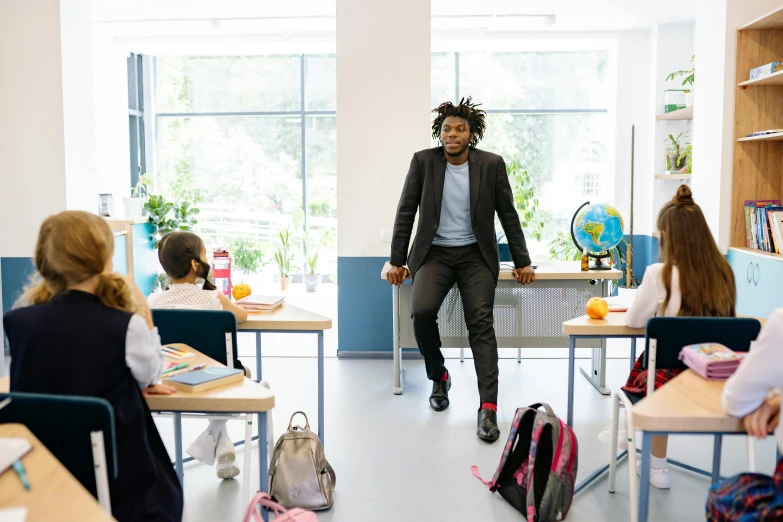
(692, 279)
(80, 329)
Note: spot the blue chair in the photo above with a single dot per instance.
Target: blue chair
(213, 333)
(79, 431)
(665, 337)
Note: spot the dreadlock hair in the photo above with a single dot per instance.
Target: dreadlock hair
(477, 118)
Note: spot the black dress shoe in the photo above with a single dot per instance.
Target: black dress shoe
(439, 399)
(488, 425)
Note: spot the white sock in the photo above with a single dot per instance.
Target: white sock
(216, 426)
(657, 463)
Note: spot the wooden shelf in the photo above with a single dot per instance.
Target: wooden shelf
(778, 136)
(773, 20)
(681, 114)
(772, 79)
(757, 252)
(673, 176)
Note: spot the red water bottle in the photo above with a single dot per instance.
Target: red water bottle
(221, 271)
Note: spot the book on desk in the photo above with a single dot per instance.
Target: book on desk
(260, 303)
(206, 379)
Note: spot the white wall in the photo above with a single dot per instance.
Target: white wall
(383, 98)
(78, 106)
(716, 50)
(32, 147)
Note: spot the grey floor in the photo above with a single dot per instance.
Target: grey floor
(395, 459)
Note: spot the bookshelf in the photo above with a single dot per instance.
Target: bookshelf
(758, 105)
(681, 114)
(756, 252)
(669, 177)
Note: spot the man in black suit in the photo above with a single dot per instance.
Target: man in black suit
(457, 190)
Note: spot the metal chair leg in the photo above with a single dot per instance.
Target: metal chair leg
(462, 355)
(613, 454)
(519, 355)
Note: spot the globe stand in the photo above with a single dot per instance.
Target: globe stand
(599, 265)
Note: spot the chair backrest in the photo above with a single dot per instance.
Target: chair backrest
(672, 333)
(211, 332)
(64, 424)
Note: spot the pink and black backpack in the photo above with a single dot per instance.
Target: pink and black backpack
(537, 471)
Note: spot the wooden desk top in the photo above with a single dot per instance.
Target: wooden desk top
(549, 270)
(243, 397)
(286, 317)
(55, 493)
(687, 403)
(613, 324)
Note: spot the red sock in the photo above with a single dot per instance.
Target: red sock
(489, 406)
(445, 377)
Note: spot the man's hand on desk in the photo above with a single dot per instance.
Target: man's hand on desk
(396, 274)
(525, 275)
(764, 420)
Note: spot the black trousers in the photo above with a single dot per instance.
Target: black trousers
(466, 267)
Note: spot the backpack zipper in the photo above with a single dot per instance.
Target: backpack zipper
(559, 449)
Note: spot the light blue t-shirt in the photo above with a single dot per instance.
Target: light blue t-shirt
(455, 228)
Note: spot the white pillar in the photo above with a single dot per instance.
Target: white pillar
(383, 114)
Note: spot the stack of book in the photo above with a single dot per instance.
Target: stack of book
(764, 225)
(711, 360)
(260, 303)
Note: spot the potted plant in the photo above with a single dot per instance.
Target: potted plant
(686, 82)
(674, 160)
(687, 157)
(310, 251)
(166, 217)
(284, 257)
(134, 205)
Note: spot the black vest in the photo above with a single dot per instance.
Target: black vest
(74, 345)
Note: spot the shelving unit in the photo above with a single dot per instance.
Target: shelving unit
(757, 172)
(668, 177)
(681, 114)
(778, 136)
(772, 79)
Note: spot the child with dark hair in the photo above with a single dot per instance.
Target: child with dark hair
(184, 258)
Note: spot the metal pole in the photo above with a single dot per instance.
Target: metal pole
(629, 257)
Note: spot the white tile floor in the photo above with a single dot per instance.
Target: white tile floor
(396, 459)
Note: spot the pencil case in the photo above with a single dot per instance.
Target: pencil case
(712, 361)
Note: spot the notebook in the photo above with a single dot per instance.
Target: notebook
(260, 303)
(206, 379)
(618, 303)
(11, 450)
(13, 514)
(711, 360)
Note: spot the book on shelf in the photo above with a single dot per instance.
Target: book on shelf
(761, 230)
(765, 133)
(260, 303)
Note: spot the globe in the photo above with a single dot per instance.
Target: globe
(597, 227)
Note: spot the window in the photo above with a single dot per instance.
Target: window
(252, 139)
(138, 162)
(548, 111)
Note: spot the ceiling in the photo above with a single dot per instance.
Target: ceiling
(193, 16)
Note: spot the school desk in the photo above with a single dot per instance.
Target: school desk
(291, 319)
(55, 493)
(526, 316)
(688, 404)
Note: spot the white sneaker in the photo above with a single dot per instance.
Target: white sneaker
(658, 477)
(227, 470)
(605, 437)
(225, 448)
(203, 448)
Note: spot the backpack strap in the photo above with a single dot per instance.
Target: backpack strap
(475, 471)
(291, 422)
(548, 409)
(330, 470)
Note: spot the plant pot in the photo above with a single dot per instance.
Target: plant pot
(689, 100)
(285, 283)
(672, 163)
(311, 282)
(133, 208)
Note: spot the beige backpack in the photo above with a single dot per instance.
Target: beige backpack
(299, 475)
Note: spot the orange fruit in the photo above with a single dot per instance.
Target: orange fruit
(597, 308)
(240, 291)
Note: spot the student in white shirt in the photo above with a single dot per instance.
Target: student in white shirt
(693, 280)
(184, 258)
(752, 393)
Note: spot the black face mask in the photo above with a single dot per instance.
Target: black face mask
(203, 273)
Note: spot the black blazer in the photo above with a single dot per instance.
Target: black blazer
(490, 192)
